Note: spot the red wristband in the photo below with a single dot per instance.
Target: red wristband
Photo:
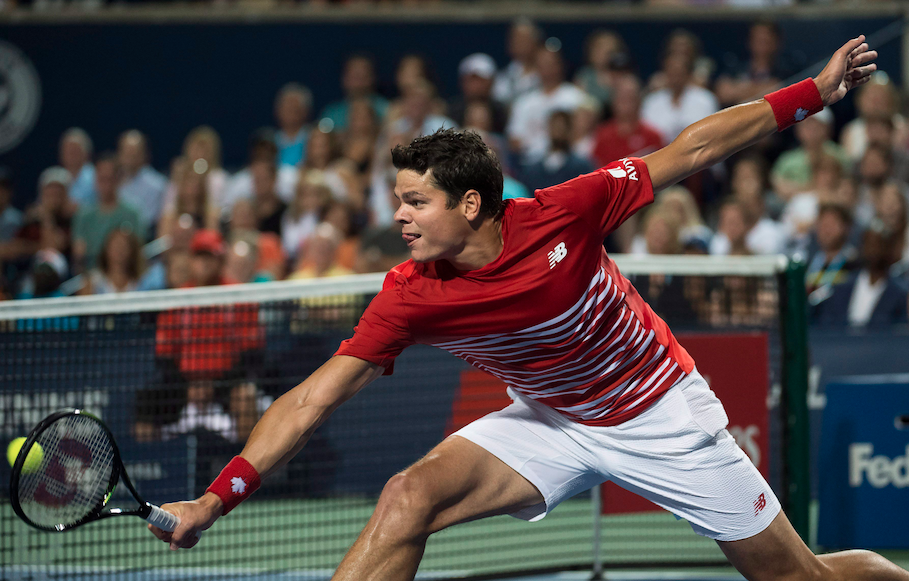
(796, 102)
(236, 483)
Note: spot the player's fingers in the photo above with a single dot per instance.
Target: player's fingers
(864, 57)
(863, 71)
(850, 46)
(858, 50)
(161, 534)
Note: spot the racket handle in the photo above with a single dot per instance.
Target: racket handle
(162, 519)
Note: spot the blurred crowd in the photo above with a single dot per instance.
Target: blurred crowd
(315, 197)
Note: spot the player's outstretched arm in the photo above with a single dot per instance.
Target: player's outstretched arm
(714, 138)
(278, 436)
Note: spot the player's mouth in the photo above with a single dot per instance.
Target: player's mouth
(410, 238)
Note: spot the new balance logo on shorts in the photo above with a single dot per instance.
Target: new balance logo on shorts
(759, 504)
(557, 254)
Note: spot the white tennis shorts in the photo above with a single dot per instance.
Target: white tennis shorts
(677, 454)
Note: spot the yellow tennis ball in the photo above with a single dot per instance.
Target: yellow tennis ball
(32, 461)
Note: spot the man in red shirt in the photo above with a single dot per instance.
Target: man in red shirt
(601, 389)
(625, 135)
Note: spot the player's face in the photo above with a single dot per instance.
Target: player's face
(431, 230)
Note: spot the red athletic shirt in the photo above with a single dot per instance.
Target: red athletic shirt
(552, 316)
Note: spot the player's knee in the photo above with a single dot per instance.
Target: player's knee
(405, 506)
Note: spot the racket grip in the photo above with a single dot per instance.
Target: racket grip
(162, 519)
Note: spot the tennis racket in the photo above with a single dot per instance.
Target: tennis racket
(76, 478)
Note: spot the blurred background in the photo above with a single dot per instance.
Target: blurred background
(149, 146)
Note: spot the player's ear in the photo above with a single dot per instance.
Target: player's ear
(472, 203)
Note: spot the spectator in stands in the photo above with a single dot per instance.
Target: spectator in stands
(679, 202)
(141, 186)
(261, 148)
(686, 46)
(178, 267)
(681, 102)
(871, 297)
(765, 235)
(527, 131)
(207, 249)
(241, 259)
(877, 98)
(120, 265)
(412, 72)
(292, 107)
(358, 139)
(791, 173)
(732, 230)
(272, 262)
(662, 232)
(835, 258)
(881, 132)
(320, 255)
(202, 412)
(268, 205)
(94, 222)
(342, 218)
(417, 114)
(358, 82)
(193, 200)
(305, 211)
(46, 223)
(10, 217)
(625, 135)
(876, 175)
(76, 156)
(340, 174)
(520, 76)
(892, 209)
(476, 73)
(559, 164)
(584, 124)
(597, 76)
(799, 214)
(202, 153)
(48, 270)
(761, 74)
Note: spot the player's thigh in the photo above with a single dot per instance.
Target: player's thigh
(775, 553)
(460, 481)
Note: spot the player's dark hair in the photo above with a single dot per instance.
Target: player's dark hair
(459, 161)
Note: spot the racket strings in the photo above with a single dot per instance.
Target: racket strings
(74, 475)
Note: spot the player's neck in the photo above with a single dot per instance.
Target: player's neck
(482, 247)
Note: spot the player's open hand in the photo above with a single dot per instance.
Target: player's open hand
(849, 67)
(195, 516)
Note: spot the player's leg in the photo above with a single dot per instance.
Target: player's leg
(778, 553)
(457, 481)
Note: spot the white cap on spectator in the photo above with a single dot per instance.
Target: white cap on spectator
(824, 116)
(54, 175)
(479, 64)
(52, 258)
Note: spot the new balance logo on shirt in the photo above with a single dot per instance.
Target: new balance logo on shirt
(760, 504)
(557, 254)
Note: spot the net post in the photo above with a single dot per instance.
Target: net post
(796, 430)
(597, 508)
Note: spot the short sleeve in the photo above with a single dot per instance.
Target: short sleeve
(382, 332)
(606, 197)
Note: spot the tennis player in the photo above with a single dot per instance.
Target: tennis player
(602, 390)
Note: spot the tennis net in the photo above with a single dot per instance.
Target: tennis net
(180, 377)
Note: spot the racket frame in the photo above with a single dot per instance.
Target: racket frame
(118, 473)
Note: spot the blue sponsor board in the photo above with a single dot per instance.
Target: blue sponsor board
(864, 463)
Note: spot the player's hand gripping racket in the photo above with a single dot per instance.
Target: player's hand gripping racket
(76, 477)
